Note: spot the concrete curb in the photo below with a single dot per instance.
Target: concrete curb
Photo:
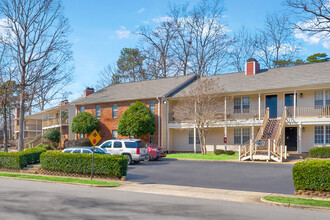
(289, 205)
(236, 161)
(58, 182)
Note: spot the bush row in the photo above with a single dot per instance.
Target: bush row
(113, 165)
(228, 152)
(320, 152)
(19, 160)
(312, 175)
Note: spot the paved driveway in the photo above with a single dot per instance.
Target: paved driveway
(258, 177)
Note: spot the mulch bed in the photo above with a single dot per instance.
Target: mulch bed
(313, 193)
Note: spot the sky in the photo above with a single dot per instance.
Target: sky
(101, 28)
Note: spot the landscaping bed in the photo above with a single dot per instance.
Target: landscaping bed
(199, 156)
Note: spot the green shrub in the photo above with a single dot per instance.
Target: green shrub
(47, 147)
(13, 160)
(230, 152)
(320, 152)
(32, 155)
(218, 151)
(113, 165)
(312, 175)
(19, 160)
(83, 142)
(53, 135)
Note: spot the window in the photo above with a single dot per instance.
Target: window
(191, 137)
(242, 105)
(107, 144)
(152, 139)
(114, 134)
(82, 109)
(98, 112)
(152, 107)
(114, 111)
(322, 134)
(76, 151)
(319, 135)
(117, 144)
(67, 151)
(327, 97)
(131, 145)
(87, 151)
(241, 135)
(318, 98)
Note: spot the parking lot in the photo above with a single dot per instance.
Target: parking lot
(259, 177)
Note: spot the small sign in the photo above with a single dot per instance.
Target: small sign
(225, 140)
(94, 138)
(260, 143)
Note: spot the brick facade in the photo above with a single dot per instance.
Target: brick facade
(108, 124)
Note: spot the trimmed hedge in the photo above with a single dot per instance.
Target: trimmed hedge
(13, 160)
(113, 165)
(230, 152)
(320, 152)
(19, 160)
(312, 175)
(219, 151)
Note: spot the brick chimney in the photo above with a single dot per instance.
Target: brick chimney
(88, 91)
(252, 67)
(64, 102)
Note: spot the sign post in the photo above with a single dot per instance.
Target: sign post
(94, 138)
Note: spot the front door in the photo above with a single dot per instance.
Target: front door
(291, 138)
(271, 103)
(289, 102)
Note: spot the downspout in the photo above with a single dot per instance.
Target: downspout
(159, 125)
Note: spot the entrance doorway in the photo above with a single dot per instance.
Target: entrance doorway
(291, 138)
(271, 103)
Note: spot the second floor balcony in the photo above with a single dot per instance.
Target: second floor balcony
(30, 127)
(54, 122)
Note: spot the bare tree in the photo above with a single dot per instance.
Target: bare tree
(243, 47)
(313, 15)
(159, 40)
(209, 42)
(36, 35)
(276, 41)
(201, 104)
(108, 76)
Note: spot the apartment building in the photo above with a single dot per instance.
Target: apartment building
(289, 106)
(109, 103)
(35, 125)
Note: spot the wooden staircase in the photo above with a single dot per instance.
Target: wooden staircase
(267, 145)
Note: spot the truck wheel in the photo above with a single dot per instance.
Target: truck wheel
(129, 159)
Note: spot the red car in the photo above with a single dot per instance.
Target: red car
(155, 152)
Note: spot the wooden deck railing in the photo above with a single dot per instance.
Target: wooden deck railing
(309, 111)
(32, 127)
(54, 121)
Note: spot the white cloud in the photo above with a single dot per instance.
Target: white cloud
(317, 38)
(123, 33)
(141, 10)
(161, 19)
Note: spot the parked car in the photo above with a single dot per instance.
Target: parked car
(155, 152)
(134, 149)
(87, 150)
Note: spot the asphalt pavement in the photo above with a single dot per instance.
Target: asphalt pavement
(256, 177)
(26, 200)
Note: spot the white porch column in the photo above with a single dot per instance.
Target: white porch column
(300, 139)
(225, 108)
(259, 105)
(159, 126)
(252, 131)
(195, 139)
(294, 103)
(167, 129)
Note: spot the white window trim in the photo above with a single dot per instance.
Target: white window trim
(324, 135)
(242, 135)
(241, 104)
(98, 116)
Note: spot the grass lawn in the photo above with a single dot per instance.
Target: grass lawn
(59, 179)
(199, 156)
(298, 201)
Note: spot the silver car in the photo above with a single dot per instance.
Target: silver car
(134, 149)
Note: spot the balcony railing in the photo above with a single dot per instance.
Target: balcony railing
(31, 127)
(309, 111)
(54, 122)
(230, 115)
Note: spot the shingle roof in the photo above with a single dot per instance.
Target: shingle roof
(135, 90)
(279, 78)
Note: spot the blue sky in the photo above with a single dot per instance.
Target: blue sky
(101, 28)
